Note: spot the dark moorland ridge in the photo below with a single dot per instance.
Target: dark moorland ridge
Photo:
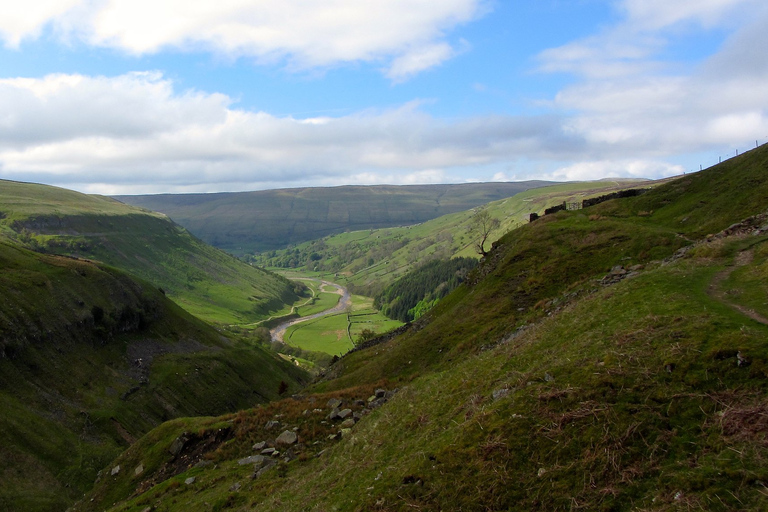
(247, 222)
(610, 358)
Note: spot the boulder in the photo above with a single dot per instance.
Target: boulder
(115, 470)
(190, 480)
(334, 403)
(272, 424)
(347, 423)
(178, 444)
(253, 459)
(287, 437)
(346, 413)
(259, 446)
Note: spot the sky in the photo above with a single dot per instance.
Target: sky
(172, 96)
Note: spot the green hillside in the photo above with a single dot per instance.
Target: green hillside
(203, 280)
(247, 222)
(612, 358)
(367, 261)
(90, 360)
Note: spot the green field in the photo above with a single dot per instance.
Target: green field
(336, 334)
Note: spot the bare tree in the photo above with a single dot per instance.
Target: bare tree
(481, 226)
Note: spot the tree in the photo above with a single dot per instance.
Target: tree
(481, 225)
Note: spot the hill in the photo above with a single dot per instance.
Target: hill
(368, 261)
(205, 281)
(611, 358)
(247, 222)
(91, 359)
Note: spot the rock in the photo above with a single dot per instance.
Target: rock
(345, 413)
(272, 424)
(204, 464)
(371, 398)
(348, 423)
(360, 403)
(380, 393)
(358, 415)
(618, 270)
(139, 470)
(741, 360)
(178, 444)
(190, 480)
(287, 437)
(259, 446)
(334, 403)
(345, 432)
(500, 393)
(548, 377)
(334, 415)
(275, 453)
(147, 509)
(115, 470)
(268, 464)
(235, 487)
(541, 472)
(268, 451)
(253, 459)
(333, 437)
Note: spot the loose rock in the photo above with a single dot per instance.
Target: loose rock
(287, 437)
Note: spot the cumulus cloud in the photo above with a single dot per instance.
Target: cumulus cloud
(137, 128)
(407, 35)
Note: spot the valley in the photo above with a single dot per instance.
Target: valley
(619, 344)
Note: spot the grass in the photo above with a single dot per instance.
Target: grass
(368, 260)
(266, 220)
(206, 282)
(538, 386)
(90, 360)
(337, 334)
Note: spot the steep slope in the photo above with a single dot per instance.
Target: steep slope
(246, 222)
(90, 360)
(203, 280)
(612, 358)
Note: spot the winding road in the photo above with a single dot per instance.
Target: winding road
(344, 303)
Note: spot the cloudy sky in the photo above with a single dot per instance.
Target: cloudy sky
(140, 96)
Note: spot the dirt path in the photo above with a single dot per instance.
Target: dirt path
(344, 303)
(716, 292)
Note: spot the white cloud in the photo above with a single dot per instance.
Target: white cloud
(135, 128)
(413, 62)
(595, 170)
(409, 35)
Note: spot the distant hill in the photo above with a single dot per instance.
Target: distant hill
(91, 359)
(247, 222)
(611, 358)
(207, 282)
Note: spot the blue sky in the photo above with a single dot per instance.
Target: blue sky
(117, 96)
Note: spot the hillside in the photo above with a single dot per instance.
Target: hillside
(367, 261)
(203, 280)
(247, 222)
(611, 358)
(91, 359)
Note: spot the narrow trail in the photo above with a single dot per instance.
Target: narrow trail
(344, 303)
(716, 292)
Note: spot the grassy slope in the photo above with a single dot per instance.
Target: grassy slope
(90, 360)
(629, 396)
(205, 281)
(246, 222)
(369, 260)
